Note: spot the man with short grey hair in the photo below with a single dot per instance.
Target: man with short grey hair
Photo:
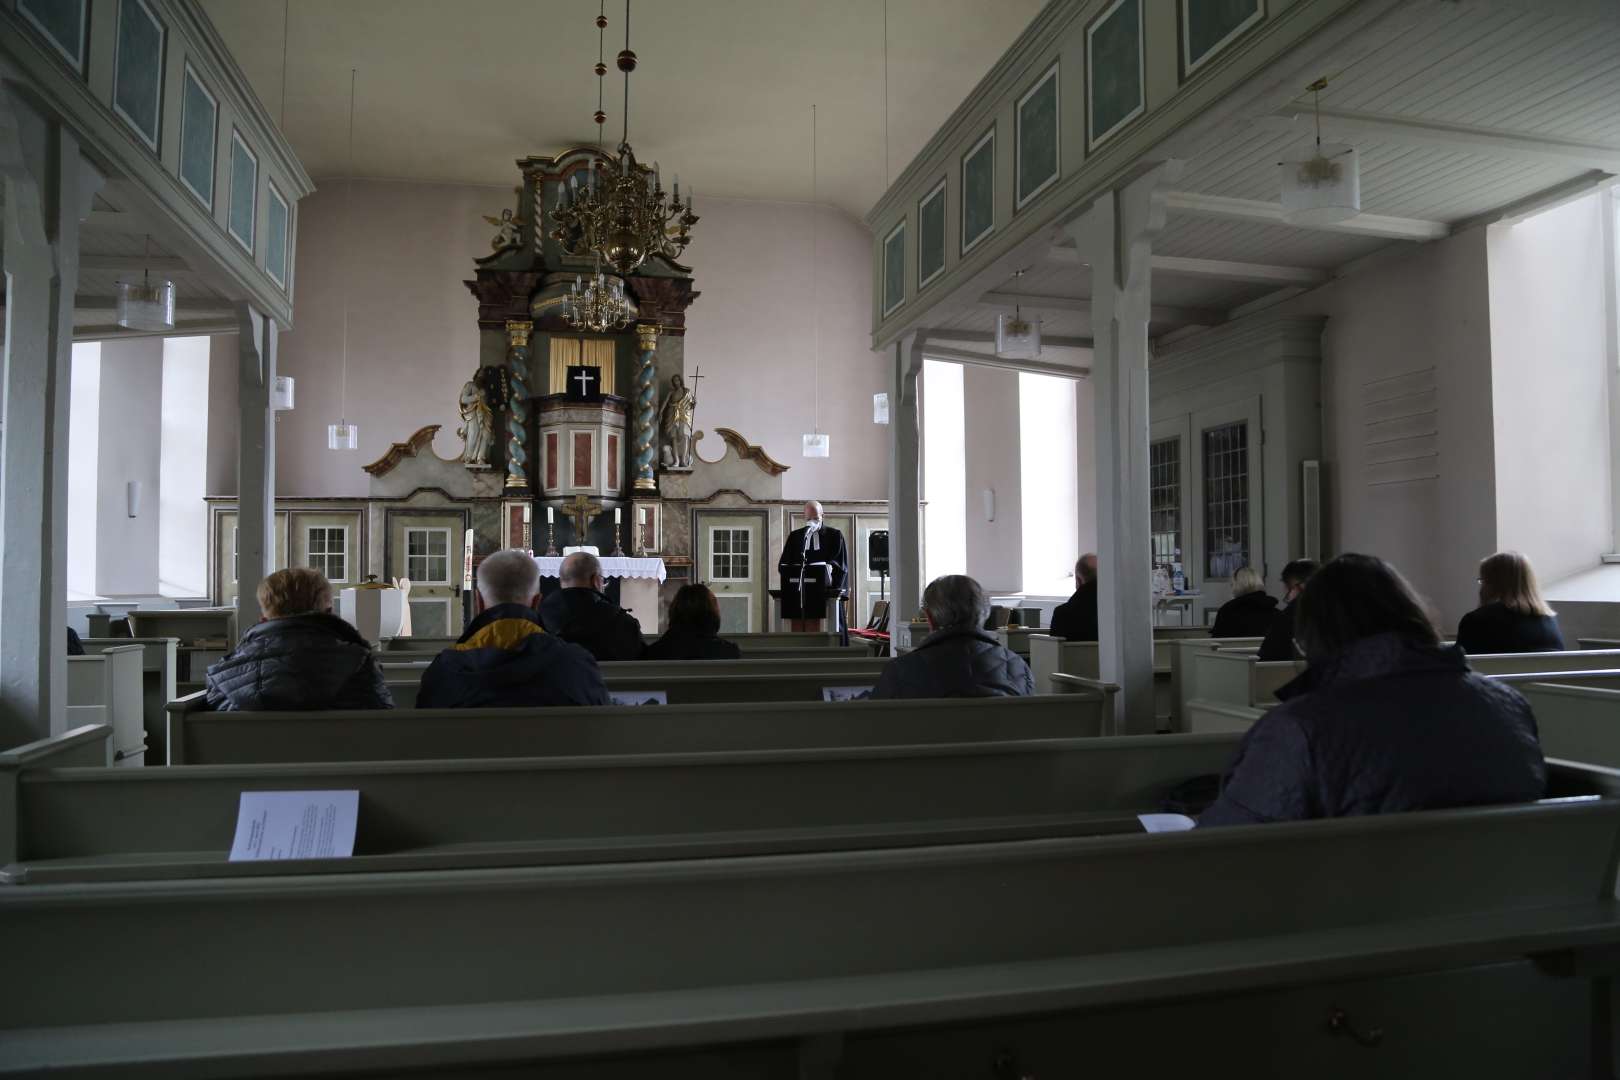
(959, 658)
(580, 613)
(505, 657)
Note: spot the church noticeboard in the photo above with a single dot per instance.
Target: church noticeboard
(894, 269)
(931, 235)
(1037, 137)
(979, 191)
(1114, 63)
(1208, 26)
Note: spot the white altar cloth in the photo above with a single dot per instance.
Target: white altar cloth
(612, 567)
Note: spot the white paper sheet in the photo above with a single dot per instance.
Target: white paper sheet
(639, 697)
(844, 693)
(1166, 822)
(295, 825)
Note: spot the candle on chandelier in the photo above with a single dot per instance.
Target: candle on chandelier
(658, 178)
(677, 187)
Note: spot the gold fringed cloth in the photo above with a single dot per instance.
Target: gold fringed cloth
(593, 352)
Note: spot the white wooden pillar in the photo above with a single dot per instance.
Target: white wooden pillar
(905, 493)
(256, 459)
(48, 190)
(1115, 238)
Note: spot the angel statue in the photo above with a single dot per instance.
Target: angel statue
(675, 424)
(508, 231)
(477, 430)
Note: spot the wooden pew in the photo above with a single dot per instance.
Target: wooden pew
(1577, 722)
(1183, 677)
(110, 680)
(78, 748)
(696, 681)
(159, 679)
(200, 737)
(1481, 957)
(1049, 655)
(91, 825)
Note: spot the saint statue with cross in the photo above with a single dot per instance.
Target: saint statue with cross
(675, 422)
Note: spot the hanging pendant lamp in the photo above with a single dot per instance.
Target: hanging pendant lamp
(344, 435)
(145, 304)
(1321, 184)
(1017, 338)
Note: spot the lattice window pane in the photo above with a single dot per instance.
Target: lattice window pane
(1226, 499)
(1164, 472)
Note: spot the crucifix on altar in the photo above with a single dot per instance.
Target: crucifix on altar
(583, 511)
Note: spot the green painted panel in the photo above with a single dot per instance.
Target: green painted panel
(138, 77)
(1114, 67)
(894, 269)
(1205, 24)
(198, 126)
(931, 235)
(244, 191)
(275, 241)
(1038, 137)
(62, 23)
(978, 192)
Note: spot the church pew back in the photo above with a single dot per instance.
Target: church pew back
(93, 824)
(568, 962)
(112, 679)
(1183, 675)
(159, 679)
(197, 736)
(80, 747)
(1577, 722)
(190, 625)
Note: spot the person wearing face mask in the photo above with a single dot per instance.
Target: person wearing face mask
(1279, 640)
(814, 566)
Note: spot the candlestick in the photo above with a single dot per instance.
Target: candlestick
(616, 515)
(551, 515)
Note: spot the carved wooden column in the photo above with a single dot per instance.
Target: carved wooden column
(517, 405)
(256, 337)
(905, 491)
(644, 435)
(48, 188)
(1115, 238)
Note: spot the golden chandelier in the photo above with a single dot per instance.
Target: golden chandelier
(621, 214)
(597, 305)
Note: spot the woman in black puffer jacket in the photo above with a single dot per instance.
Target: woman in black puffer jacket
(300, 657)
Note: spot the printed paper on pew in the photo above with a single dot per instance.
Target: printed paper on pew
(295, 825)
(1166, 822)
(639, 697)
(844, 693)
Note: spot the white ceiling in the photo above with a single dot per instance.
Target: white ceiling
(457, 91)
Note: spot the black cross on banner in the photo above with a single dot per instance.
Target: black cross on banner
(584, 382)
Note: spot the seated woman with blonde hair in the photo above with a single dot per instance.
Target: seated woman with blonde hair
(1250, 612)
(299, 656)
(1511, 617)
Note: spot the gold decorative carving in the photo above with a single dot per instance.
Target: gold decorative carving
(402, 450)
(517, 332)
(648, 336)
(749, 452)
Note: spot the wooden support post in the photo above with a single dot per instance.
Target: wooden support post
(1115, 238)
(48, 190)
(256, 460)
(905, 493)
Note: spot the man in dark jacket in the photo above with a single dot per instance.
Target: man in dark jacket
(578, 612)
(505, 657)
(300, 656)
(1385, 719)
(1279, 640)
(1077, 619)
(958, 659)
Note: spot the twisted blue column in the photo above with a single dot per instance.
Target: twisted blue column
(517, 405)
(644, 444)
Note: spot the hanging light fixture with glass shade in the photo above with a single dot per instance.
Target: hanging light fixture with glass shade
(597, 303)
(623, 216)
(1321, 184)
(143, 305)
(1017, 338)
(344, 435)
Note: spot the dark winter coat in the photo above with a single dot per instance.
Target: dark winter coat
(589, 619)
(1494, 628)
(299, 662)
(956, 663)
(1279, 642)
(1076, 620)
(684, 643)
(505, 657)
(1249, 615)
(1386, 725)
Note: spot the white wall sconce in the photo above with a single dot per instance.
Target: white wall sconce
(281, 397)
(989, 504)
(880, 408)
(132, 498)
